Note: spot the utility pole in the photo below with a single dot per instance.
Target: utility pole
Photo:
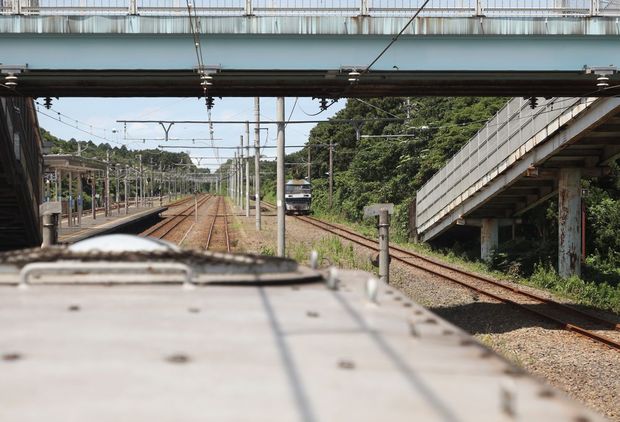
(141, 183)
(126, 189)
(93, 188)
(106, 202)
(137, 186)
(240, 177)
(331, 173)
(257, 162)
(280, 176)
(234, 177)
(247, 169)
(118, 193)
(309, 169)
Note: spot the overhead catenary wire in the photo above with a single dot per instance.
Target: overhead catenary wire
(78, 128)
(395, 38)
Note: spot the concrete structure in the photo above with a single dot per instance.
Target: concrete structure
(519, 159)
(291, 49)
(20, 174)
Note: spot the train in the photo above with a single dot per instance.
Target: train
(119, 327)
(298, 196)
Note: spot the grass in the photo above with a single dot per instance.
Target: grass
(331, 251)
(598, 295)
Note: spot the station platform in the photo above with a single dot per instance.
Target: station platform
(104, 225)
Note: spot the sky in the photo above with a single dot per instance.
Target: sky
(97, 120)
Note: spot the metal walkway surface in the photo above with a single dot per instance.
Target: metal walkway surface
(515, 161)
(231, 352)
(306, 48)
(20, 174)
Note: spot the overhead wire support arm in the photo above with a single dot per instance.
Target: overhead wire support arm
(268, 122)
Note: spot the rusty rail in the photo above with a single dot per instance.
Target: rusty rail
(220, 204)
(165, 227)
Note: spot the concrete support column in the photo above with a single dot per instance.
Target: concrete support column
(569, 221)
(280, 117)
(489, 238)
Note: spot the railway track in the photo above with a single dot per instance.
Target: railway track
(219, 236)
(565, 316)
(169, 225)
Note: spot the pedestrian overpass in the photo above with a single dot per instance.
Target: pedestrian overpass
(519, 159)
(306, 47)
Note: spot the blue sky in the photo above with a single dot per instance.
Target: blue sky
(102, 113)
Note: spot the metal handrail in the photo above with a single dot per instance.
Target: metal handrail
(516, 127)
(401, 8)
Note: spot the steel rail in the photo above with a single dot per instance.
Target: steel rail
(171, 223)
(485, 279)
(354, 237)
(226, 233)
(217, 215)
(210, 235)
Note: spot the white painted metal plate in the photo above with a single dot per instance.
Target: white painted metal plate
(47, 208)
(231, 353)
(373, 210)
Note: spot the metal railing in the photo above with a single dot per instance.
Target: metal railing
(394, 8)
(514, 131)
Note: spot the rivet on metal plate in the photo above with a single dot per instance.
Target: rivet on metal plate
(508, 397)
(346, 364)
(372, 289)
(314, 260)
(11, 357)
(177, 358)
(333, 278)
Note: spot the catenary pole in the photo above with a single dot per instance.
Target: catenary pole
(280, 176)
(257, 162)
(247, 169)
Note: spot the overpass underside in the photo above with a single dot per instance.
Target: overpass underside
(300, 83)
(134, 55)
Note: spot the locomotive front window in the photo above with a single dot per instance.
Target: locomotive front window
(292, 189)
